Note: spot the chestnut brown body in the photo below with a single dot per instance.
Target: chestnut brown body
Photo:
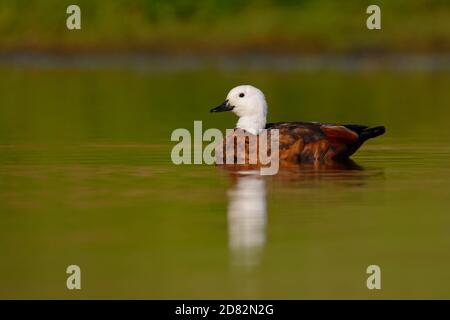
(307, 142)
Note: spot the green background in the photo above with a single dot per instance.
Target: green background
(86, 176)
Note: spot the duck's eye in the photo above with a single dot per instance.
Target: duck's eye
(241, 95)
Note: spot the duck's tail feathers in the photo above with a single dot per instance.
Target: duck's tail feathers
(370, 133)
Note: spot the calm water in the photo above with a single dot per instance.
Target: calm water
(86, 179)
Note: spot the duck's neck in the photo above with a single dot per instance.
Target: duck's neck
(253, 124)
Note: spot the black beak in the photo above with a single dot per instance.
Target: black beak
(223, 107)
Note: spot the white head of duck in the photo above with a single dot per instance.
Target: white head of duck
(249, 104)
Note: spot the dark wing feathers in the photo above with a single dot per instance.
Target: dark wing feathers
(355, 127)
(331, 140)
(312, 131)
(372, 132)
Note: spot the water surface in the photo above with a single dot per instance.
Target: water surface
(86, 179)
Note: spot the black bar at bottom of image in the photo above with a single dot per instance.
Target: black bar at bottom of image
(215, 309)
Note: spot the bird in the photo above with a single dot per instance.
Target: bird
(299, 142)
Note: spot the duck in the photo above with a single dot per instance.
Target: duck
(299, 142)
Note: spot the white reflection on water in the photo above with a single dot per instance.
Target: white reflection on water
(247, 219)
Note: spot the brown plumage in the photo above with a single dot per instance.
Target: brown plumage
(308, 142)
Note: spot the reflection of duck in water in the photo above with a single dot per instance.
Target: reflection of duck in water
(299, 142)
(247, 219)
(247, 210)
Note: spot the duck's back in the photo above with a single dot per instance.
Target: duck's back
(303, 142)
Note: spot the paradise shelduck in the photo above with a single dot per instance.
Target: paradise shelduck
(299, 142)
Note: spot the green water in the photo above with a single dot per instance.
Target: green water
(86, 179)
